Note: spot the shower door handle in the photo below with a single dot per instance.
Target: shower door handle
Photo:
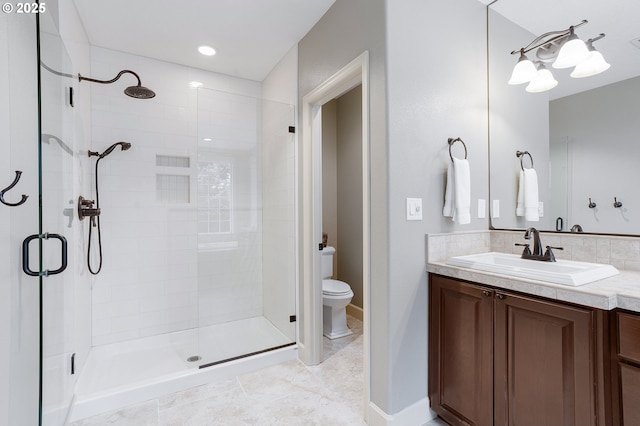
(46, 272)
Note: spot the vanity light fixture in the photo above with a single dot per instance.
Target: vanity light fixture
(524, 71)
(562, 49)
(595, 64)
(572, 52)
(543, 80)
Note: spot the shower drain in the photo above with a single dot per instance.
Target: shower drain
(194, 358)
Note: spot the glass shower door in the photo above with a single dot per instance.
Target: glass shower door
(245, 226)
(35, 364)
(19, 293)
(57, 217)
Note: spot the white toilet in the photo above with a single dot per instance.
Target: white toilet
(336, 295)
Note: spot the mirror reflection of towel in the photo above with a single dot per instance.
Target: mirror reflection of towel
(457, 198)
(527, 204)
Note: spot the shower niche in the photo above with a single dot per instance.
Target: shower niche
(173, 183)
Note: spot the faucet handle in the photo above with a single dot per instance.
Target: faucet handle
(549, 254)
(526, 251)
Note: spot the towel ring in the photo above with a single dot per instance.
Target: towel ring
(451, 141)
(521, 154)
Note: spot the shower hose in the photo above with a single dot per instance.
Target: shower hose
(91, 226)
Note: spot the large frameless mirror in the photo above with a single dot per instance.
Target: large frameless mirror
(581, 134)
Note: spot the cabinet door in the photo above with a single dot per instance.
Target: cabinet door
(544, 368)
(460, 352)
(628, 372)
(630, 387)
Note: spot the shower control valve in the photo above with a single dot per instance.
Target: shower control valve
(86, 209)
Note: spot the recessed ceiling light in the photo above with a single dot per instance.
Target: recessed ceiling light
(196, 84)
(207, 139)
(207, 50)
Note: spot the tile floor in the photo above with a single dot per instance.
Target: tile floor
(287, 394)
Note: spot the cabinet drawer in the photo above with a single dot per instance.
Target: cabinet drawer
(629, 336)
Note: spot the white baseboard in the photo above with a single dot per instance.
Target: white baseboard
(355, 311)
(414, 415)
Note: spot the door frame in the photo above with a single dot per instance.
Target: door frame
(350, 76)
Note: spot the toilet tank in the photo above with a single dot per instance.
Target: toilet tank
(327, 262)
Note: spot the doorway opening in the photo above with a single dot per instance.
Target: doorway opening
(352, 76)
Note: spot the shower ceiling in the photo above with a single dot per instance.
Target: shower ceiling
(250, 36)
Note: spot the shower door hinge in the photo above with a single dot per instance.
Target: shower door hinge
(292, 318)
(292, 129)
(71, 97)
(73, 363)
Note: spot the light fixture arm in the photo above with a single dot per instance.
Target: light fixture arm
(598, 37)
(113, 80)
(540, 40)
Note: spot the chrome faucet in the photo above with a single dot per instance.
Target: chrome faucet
(537, 254)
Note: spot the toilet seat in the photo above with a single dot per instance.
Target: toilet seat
(335, 288)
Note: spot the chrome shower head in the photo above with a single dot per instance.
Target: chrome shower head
(123, 146)
(138, 91)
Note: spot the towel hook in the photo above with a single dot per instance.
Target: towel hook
(14, 183)
(521, 154)
(451, 141)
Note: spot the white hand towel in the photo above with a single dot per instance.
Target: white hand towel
(447, 210)
(462, 191)
(520, 202)
(531, 195)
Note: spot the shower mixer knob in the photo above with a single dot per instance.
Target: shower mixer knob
(86, 209)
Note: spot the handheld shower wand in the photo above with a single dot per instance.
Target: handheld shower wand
(96, 223)
(123, 145)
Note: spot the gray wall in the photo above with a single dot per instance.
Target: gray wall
(602, 128)
(433, 93)
(349, 150)
(437, 89)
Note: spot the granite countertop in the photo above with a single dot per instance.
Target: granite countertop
(620, 291)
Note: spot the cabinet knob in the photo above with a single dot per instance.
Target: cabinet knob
(501, 296)
(486, 293)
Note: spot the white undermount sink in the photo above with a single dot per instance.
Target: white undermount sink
(567, 272)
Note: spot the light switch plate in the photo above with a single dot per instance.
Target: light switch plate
(495, 210)
(414, 208)
(482, 208)
(540, 208)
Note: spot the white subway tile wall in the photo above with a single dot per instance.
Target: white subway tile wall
(152, 266)
(172, 189)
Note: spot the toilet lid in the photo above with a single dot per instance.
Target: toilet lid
(335, 287)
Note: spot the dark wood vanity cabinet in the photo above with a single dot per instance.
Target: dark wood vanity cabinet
(461, 351)
(500, 358)
(625, 368)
